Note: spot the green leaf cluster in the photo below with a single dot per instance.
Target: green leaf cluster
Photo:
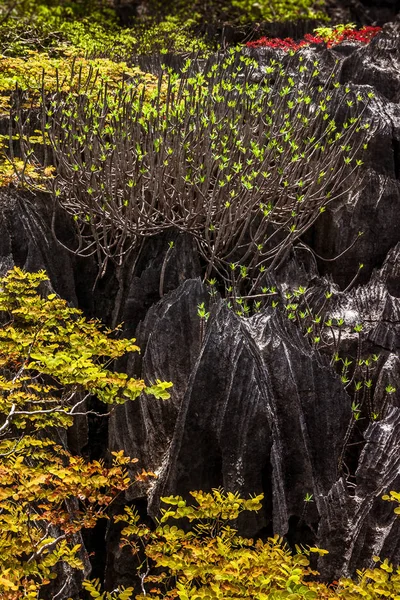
(47, 497)
(208, 559)
(41, 73)
(90, 29)
(55, 354)
(229, 159)
(239, 12)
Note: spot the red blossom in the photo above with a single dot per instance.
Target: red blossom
(363, 36)
(313, 39)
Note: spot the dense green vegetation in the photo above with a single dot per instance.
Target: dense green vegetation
(94, 27)
(45, 42)
(90, 27)
(265, 159)
(52, 360)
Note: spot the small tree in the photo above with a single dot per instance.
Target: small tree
(51, 360)
(209, 559)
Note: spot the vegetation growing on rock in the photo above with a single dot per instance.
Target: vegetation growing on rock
(202, 557)
(239, 11)
(94, 27)
(228, 159)
(241, 160)
(331, 36)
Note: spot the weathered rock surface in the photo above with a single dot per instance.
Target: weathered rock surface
(145, 428)
(256, 408)
(379, 312)
(262, 378)
(359, 523)
(373, 210)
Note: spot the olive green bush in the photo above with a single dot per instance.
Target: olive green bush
(40, 25)
(237, 12)
(93, 27)
(52, 361)
(207, 558)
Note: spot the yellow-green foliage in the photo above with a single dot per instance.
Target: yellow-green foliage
(195, 138)
(51, 361)
(39, 73)
(173, 33)
(47, 341)
(36, 24)
(92, 27)
(94, 589)
(372, 584)
(63, 42)
(48, 496)
(278, 10)
(64, 73)
(51, 358)
(207, 559)
(12, 171)
(393, 497)
(241, 11)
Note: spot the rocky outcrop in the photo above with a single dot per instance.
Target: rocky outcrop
(373, 209)
(357, 520)
(145, 428)
(255, 407)
(263, 380)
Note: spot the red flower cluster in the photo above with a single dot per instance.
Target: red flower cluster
(364, 36)
(281, 44)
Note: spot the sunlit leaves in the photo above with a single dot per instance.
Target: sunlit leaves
(51, 361)
(208, 559)
(44, 335)
(46, 497)
(211, 145)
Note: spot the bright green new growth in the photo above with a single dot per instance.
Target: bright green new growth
(281, 10)
(208, 559)
(202, 557)
(92, 27)
(235, 12)
(322, 326)
(244, 166)
(86, 27)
